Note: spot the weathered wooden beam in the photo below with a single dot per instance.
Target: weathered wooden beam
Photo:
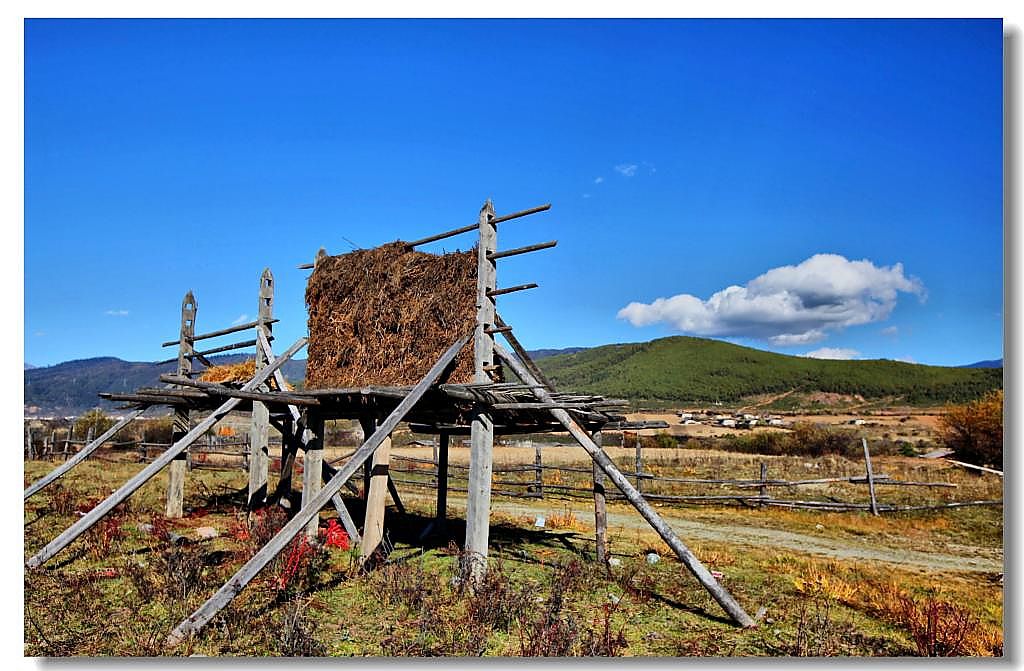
(494, 256)
(478, 500)
(217, 389)
(441, 511)
(373, 522)
(508, 290)
(178, 466)
(523, 355)
(146, 474)
(214, 334)
(983, 469)
(312, 466)
(473, 227)
(600, 509)
(690, 560)
(259, 427)
(216, 350)
(246, 573)
(58, 472)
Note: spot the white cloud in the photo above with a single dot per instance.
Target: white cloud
(598, 180)
(789, 305)
(117, 313)
(891, 331)
(626, 169)
(242, 318)
(833, 353)
(906, 359)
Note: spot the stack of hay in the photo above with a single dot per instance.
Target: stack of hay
(242, 371)
(384, 316)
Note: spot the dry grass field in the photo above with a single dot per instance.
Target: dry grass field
(831, 583)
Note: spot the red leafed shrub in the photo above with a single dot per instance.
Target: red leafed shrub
(335, 536)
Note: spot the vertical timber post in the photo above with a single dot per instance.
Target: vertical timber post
(871, 476)
(376, 498)
(764, 482)
(478, 498)
(538, 470)
(442, 479)
(259, 431)
(368, 425)
(30, 451)
(312, 466)
(600, 511)
(639, 463)
(176, 469)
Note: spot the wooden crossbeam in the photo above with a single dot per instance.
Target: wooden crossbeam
(141, 478)
(474, 227)
(214, 334)
(81, 455)
(494, 256)
(690, 560)
(508, 290)
(244, 575)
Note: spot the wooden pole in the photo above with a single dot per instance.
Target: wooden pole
(538, 470)
(639, 463)
(690, 560)
(259, 431)
(763, 491)
(312, 465)
(176, 471)
(871, 476)
(442, 479)
(81, 455)
(30, 451)
(600, 509)
(241, 578)
(147, 473)
(478, 500)
(376, 500)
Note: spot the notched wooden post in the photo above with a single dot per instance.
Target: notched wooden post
(478, 498)
(179, 465)
(259, 431)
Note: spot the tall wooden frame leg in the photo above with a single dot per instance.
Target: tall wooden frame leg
(176, 469)
(312, 467)
(376, 500)
(259, 431)
(442, 480)
(600, 509)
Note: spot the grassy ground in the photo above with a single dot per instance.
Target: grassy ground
(123, 587)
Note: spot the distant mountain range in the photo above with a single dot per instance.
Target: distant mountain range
(994, 363)
(71, 388)
(673, 370)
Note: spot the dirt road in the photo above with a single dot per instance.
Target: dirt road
(969, 559)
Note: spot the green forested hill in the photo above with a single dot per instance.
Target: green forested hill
(685, 369)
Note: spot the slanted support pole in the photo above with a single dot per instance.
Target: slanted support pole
(376, 494)
(478, 502)
(244, 575)
(600, 509)
(312, 465)
(259, 431)
(690, 560)
(81, 455)
(178, 467)
(147, 473)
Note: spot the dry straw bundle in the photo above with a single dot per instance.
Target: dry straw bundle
(384, 316)
(243, 371)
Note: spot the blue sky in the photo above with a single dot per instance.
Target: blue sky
(845, 177)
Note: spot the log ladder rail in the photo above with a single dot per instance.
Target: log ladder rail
(310, 510)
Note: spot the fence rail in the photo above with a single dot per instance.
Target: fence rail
(535, 485)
